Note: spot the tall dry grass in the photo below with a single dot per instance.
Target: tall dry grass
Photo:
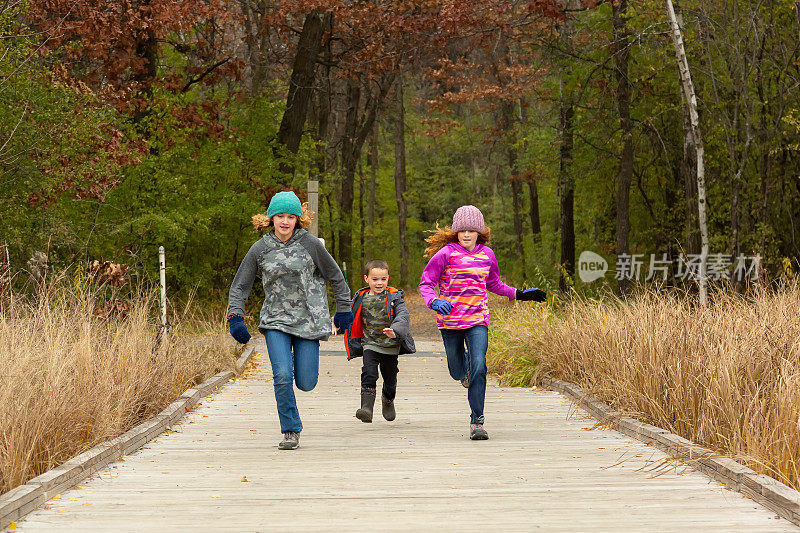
(726, 376)
(70, 379)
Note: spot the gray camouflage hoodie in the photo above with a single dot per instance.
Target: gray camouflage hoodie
(294, 275)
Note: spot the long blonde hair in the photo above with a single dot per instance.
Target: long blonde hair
(261, 222)
(441, 237)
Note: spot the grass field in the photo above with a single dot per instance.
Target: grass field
(726, 376)
(73, 376)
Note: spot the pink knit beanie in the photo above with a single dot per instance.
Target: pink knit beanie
(468, 218)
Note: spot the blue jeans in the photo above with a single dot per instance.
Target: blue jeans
(293, 359)
(466, 352)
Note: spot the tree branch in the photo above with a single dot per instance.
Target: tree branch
(208, 71)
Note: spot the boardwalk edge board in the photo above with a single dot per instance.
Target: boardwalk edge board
(23, 499)
(767, 491)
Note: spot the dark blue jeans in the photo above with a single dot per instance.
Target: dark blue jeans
(466, 352)
(293, 360)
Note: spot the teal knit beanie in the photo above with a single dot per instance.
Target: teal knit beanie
(285, 202)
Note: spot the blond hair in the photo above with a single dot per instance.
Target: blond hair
(441, 237)
(262, 222)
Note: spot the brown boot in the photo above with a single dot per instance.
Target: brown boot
(367, 402)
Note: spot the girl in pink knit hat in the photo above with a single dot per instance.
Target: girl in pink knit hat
(464, 268)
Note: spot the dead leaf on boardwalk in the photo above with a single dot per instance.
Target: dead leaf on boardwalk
(244, 479)
(12, 526)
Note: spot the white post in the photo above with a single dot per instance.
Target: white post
(313, 205)
(163, 278)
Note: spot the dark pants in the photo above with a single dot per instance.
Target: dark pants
(466, 353)
(388, 366)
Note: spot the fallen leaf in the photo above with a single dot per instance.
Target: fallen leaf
(12, 526)
(244, 479)
(57, 497)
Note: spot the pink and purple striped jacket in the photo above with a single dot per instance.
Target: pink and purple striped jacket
(463, 277)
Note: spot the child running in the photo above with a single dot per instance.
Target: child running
(464, 267)
(293, 266)
(380, 332)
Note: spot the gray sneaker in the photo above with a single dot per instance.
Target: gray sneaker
(291, 440)
(476, 432)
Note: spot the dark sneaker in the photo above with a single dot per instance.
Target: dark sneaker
(476, 432)
(465, 381)
(291, 440)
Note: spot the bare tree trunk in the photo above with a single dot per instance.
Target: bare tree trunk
(517, 205)
(689, 175)
(565, 219)
(765, 162)
(506, 122)
(373, 170)
(744, 54)
(301, 85)
(536, 225)
(256, 37)
(566, 188)
(400, 178)
(533, 189)
(373, 183)
(361, 241)
(688, 93)
(356, 128)
(620, 47)
(349, 161)
(324, 96)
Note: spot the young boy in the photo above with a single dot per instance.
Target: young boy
(380, 332)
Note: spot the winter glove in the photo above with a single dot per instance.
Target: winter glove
(343, 321)
(238, 329)
(527, 295)
(443, 307)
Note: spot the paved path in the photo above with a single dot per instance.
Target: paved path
(545, 467)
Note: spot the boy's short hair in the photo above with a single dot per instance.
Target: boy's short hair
(376, 263)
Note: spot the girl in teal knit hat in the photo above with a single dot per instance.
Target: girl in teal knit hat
(294, 266)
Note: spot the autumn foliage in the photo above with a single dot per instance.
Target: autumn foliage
(115, 47)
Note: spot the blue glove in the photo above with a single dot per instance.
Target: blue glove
(238, 329)
(443, 307)
(535, 295)
(343, 321)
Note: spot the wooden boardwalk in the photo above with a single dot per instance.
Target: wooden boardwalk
(545, 467)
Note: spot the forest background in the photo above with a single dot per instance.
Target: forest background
(127, 125)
